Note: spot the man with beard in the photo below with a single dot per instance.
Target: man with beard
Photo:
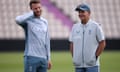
(37, 41)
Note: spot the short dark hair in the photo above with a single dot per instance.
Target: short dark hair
(33, 1)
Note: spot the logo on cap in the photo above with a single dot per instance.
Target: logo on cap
(83, 7)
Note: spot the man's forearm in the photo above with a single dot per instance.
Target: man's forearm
(71, 48)
(101, 47)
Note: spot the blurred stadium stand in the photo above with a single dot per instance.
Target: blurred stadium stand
(60, 16)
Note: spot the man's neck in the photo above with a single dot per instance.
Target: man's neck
(36, 16)
(85, 21)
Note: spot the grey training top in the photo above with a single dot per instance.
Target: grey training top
(37, 42)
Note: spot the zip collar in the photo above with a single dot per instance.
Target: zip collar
(87, 24)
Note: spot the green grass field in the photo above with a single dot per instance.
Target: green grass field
(62, 62)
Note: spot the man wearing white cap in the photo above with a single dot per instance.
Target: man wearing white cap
(87, 41)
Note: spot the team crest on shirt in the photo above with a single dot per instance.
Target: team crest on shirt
(89, 32)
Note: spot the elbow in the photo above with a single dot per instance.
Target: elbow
(17, 20)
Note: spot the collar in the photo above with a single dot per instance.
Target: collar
(37, 17)
(87, 24)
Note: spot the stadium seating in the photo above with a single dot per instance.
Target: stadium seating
(106, 12)
(103, 11)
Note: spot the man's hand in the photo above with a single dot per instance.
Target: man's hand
(49, 65)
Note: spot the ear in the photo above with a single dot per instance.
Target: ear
(31, 8)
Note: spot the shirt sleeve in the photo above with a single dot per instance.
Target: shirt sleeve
(100, 34)
(71, 35)
(48, 45)
(21, 20)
